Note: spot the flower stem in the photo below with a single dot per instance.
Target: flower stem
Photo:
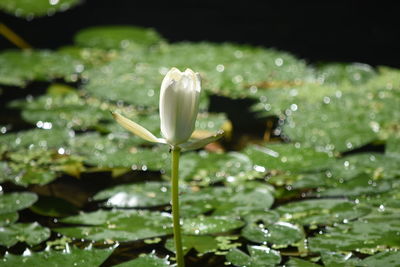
(175, 206)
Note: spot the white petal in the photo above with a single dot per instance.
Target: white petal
(136, 128)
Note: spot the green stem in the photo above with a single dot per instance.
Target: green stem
(175, 206)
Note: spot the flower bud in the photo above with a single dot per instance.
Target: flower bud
(179, 104)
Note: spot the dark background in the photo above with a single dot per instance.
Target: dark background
(348, 31)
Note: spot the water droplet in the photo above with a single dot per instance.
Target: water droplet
(278, 61)
(54, 2)
(327, 99)
(220, 68)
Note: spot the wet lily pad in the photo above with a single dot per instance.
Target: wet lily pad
(12, 202)
(230, 200)
(321, 211)
(203, 225)
(288, 157)
(20, 67)
(116, 37)
(202, 244)
(340, 259)
(71, 256)
(31, 233)
(278, 234)
(296, 262)
(117, 225)
(118, 150)
(8, 218)
(386, 258)
(136, 195)
(147, 260)
(206, 168)
(29, 10)
(337, 73)
(259, 256)
(361, 235)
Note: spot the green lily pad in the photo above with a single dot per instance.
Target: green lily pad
(229, 200)
(360, 185)
(29, 9)
(366, 236)
(296, 262)
(35, 138)
(386, 258)
(31, 233)
(288, 157)
(279, 234)
(116, 37)
(202, 244)
(337, 73)
(147, 194)
(147, 260)
(53, 207)
(71, 256)
(8, 218)
(118, 150)
(205, 168)
(210, 225)
(337, 259)
(12, 202)
(17, 68)
(321, 211)
(260, 256)
(117, 225)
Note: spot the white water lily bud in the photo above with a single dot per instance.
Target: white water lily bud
(179, 104)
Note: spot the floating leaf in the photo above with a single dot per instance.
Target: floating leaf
(147, 260)
(29, 10)
(296, 262)
(210, 225)
(8, 218)
(136, 195)
(366, 236)
(288, 157)
(337, 73)
(202, 244)
(31, 233)
(12, 202)
(386, 258)
(260, 256)
(118, 225)
(205, 168)
(116, 37)
(17, 68)
(71, 256)
(279, 234)
(321, 211)
(229, 200)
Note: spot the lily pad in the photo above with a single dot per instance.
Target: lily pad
(203, 225)
(17, 68)
(362, 235)
(321, 211)
(31, 233)
(71, 256)
(117, 225)
(29, 9)
(279, 234)
(8, 218)
(337, 73)
(230, 200)
(147, 260)
(288, 157)
(202, 244)
(386, 258)
(147, 194)
(260, 256)
(116, 37)
(296, 262)
(205, 168)
(12, 202)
